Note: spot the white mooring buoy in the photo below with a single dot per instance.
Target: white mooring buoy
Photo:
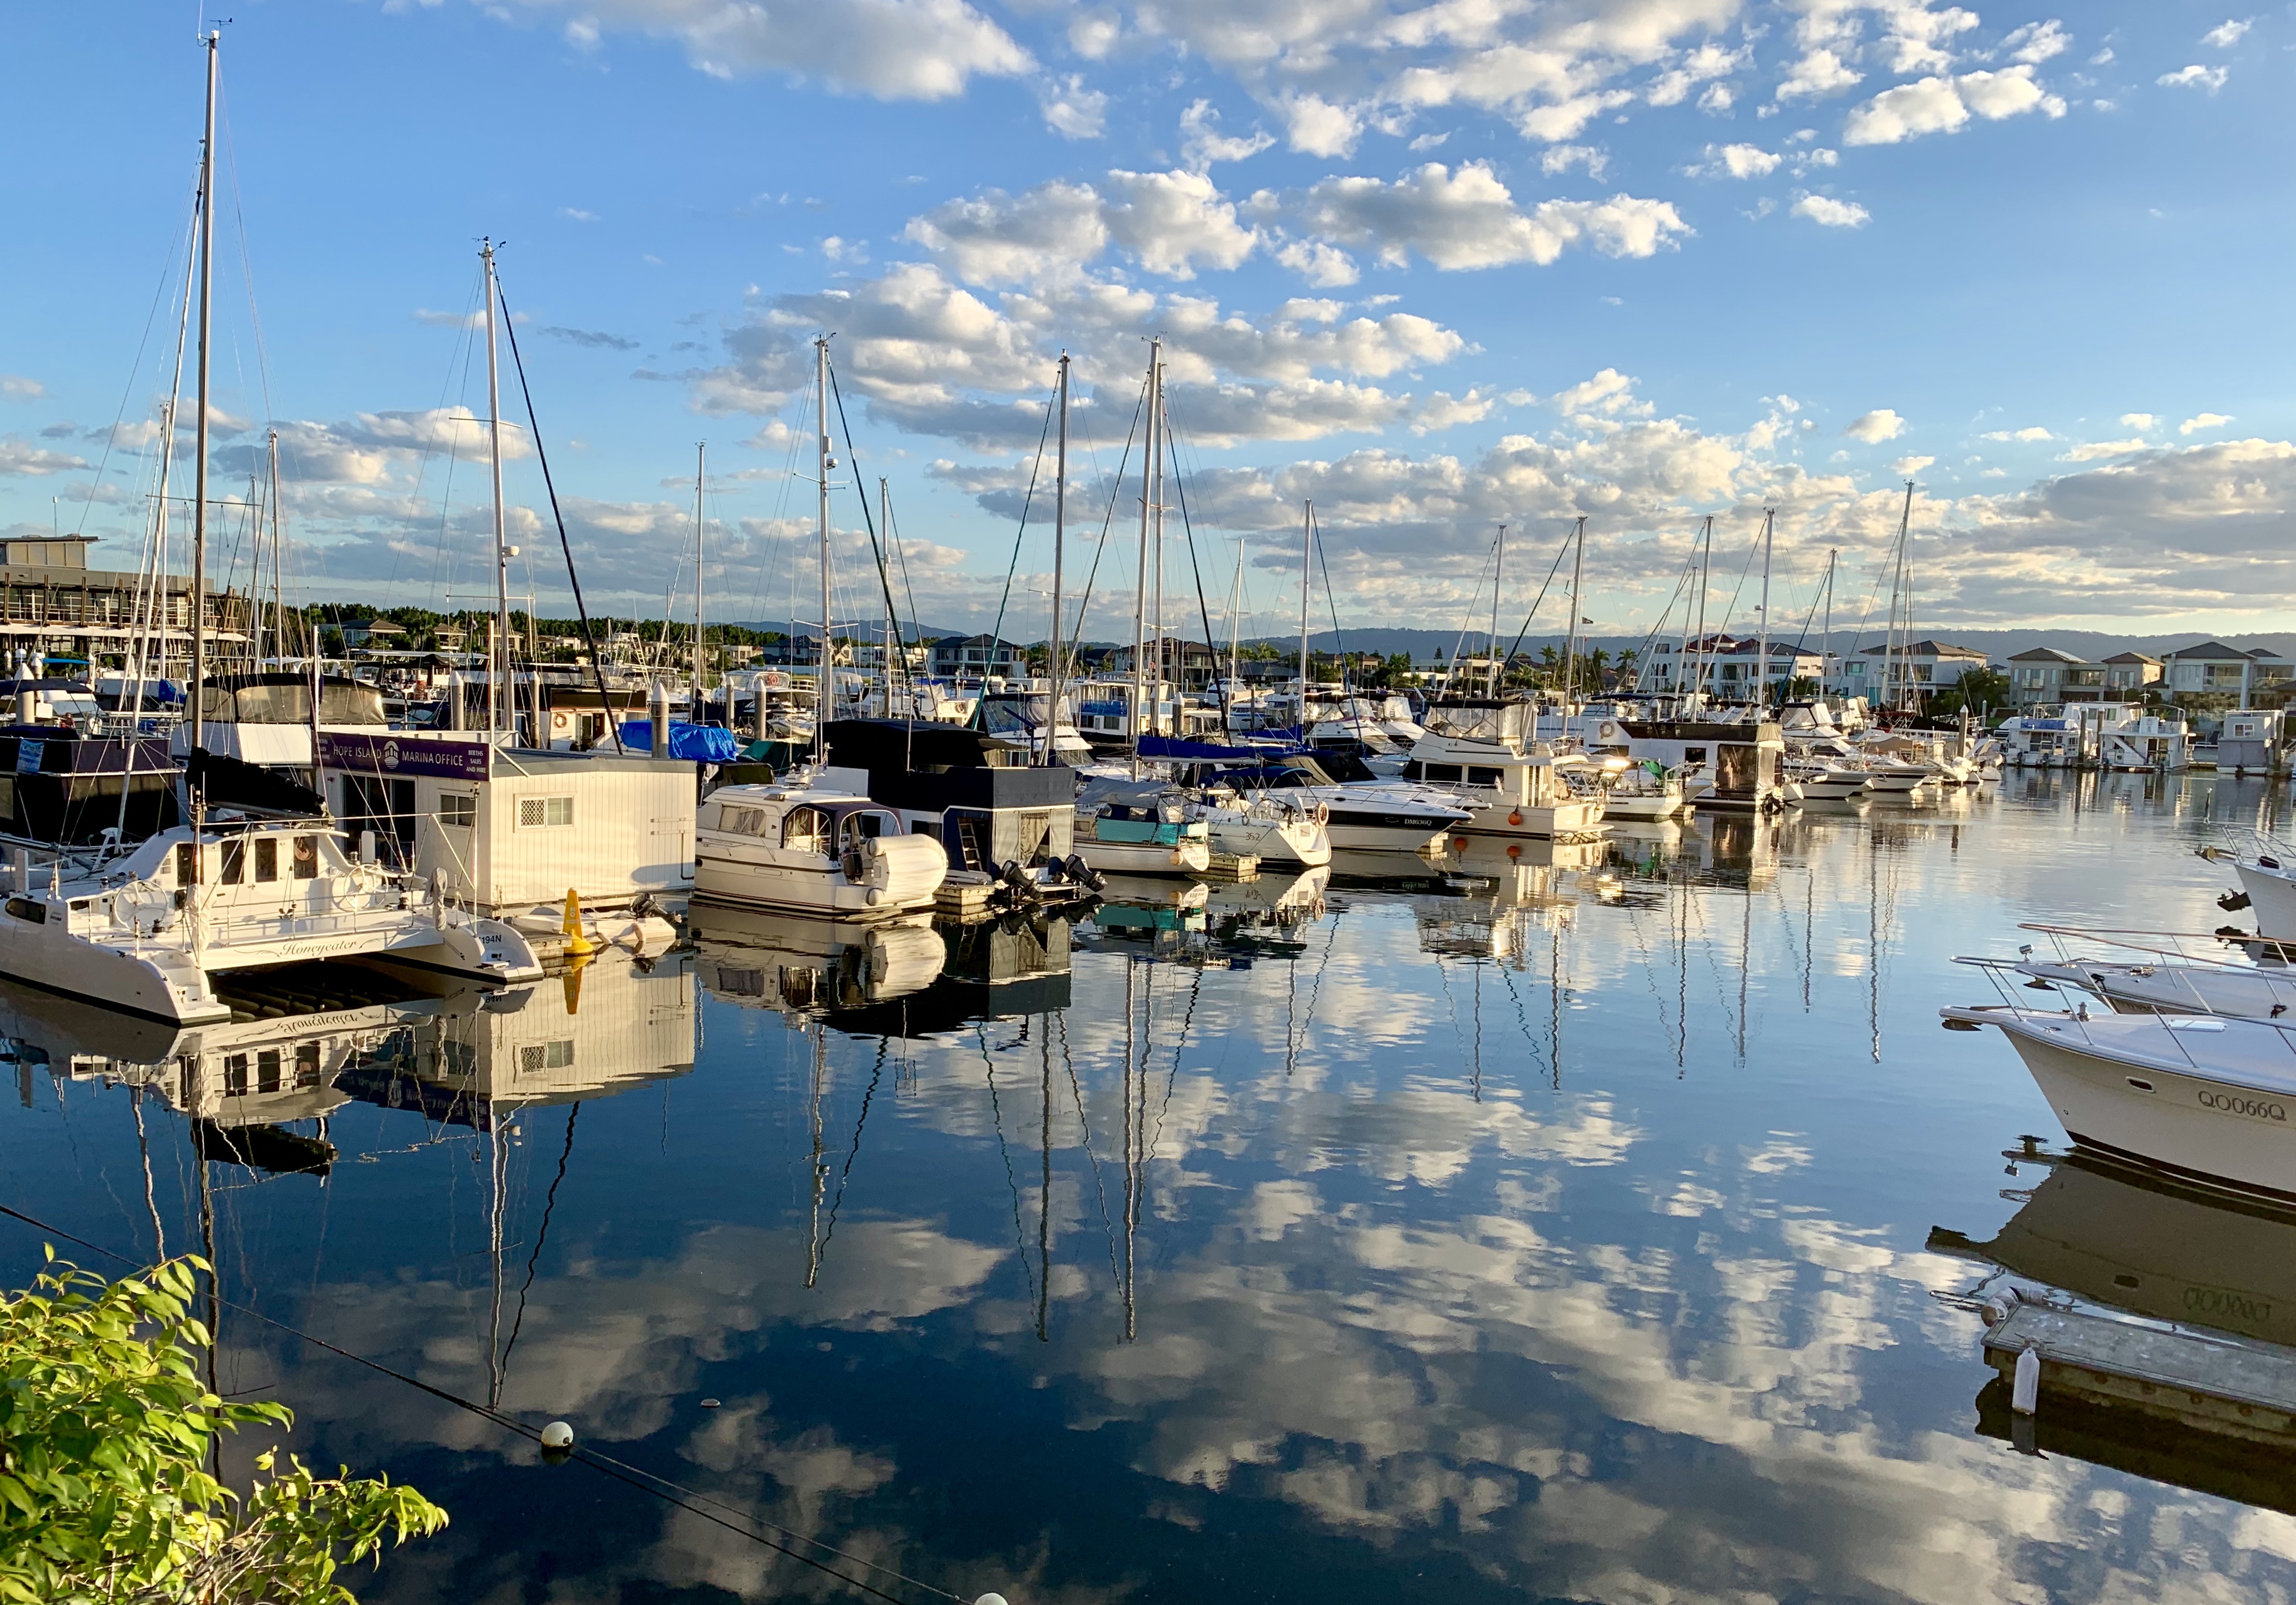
(2025, 1391)
(990, 1598)
(558, 1434)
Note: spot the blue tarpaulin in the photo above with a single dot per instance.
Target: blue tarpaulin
(695, 743)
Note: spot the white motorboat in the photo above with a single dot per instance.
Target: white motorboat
(1281, 831)
(148, 931)
(1125, 827)
(2201, 1096)
(1645, 792)
(812, 849)
(1821, 779)
(2267, 883)
(2144, 972)
(1509, 785)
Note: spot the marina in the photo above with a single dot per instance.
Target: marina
(1383, 1228)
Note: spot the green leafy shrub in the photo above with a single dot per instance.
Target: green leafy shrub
(104, 1428)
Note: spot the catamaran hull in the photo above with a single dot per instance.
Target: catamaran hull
(2186, 1124)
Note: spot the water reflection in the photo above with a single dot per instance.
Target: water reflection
(1545, 1225)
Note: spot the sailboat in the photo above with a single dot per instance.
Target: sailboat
(814, 844)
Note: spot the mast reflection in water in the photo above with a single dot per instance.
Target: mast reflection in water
(1549, 1225)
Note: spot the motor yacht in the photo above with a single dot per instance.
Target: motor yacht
(816, 845)
(1643, 792)
(1509, 785)
(2266, 869)
(2202, 1096)
(147, 930)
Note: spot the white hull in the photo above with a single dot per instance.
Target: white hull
(825, 894)
(1581, 816)
(1643, 807)
(1294, 843)
(1349, 838)
(2272, 895)
(1192, 857)
(2134, 1103)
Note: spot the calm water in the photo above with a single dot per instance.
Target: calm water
(1562, 1237)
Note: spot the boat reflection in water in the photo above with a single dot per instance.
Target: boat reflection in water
(259, 1088)
(2164, 1319)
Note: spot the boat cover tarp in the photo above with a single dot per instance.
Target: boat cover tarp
(695, 743)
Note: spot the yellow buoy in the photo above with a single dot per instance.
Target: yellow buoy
(578, 946)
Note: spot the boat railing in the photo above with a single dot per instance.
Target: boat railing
(2173, 1025)
(2188, 948)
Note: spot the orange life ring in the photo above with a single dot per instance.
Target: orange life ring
(1514, 849)
(1459, 844)
(1515, 818)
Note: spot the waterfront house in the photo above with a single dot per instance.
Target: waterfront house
(973, 658)
(1726, 665)
(1884, 677)
(2212, 674)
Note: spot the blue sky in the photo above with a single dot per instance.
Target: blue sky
(1440, 267)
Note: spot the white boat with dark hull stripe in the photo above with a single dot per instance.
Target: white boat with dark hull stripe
(2204, 1097)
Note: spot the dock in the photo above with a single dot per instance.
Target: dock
(2220, 1385)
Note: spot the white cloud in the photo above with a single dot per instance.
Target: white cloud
(1175, 222)
(2036, 41)
(1882, 424)
(1736, 162)
(1323, 265)
(1561, 159)
(1718, 98)
(2195, 76)
(1709, 62)
(1442, 410)
(2093, 450)
(17, 388)
(1321, 128)
(1201, 143)
(1049, 232)
(1469, 219)
(2034, 433)
(2226, 34)
(2138, 421)
(1815, 75)
(1070, 109)
(1608, 394)
(22, 457)
(1092, 35)
(1832, 213)
(1906, 468)
(574, 214)
(888, 49)
(2204, 421)
(1943, 105)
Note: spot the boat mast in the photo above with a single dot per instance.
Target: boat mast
(1059, 541)
(502, 708)
(1826, 648)
(278, 561)
(1762, 649)
(200, 449)
(1161, 443)
(892, 625)
(701, 449)
(1894, 667)
(1570, 648)
(823, 466)
(1307, 572)
(1234, 626)
(1498, 567)
(1705, 582)
(1140, 589)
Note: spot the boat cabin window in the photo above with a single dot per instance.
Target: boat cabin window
(855, 827)
(459, 809)
(234, 1076)
(1694, 755)
(1443, 772)
(234, 861)
(266, 1070)
(307, 859)
(266, 858)
(741, 822)
(187, 865)
(545, 812)
(1477, 775)
(805, 831)
(306, 1065)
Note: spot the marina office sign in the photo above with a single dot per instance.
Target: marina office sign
(365, 754)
